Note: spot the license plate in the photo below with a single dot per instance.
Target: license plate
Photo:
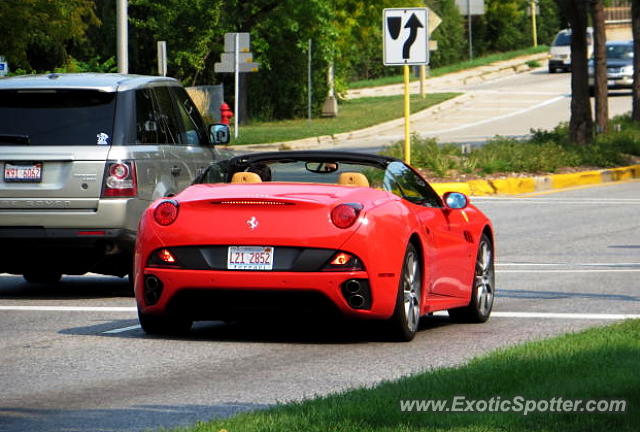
(250, 258)
(611, 82)
(25, 173)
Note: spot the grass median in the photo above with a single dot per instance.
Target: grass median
(354, 114)
(477, 62)
(598, 364)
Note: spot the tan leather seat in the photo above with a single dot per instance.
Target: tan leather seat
(246, 177)
(353, 179)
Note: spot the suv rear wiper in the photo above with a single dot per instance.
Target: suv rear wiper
(14, 139)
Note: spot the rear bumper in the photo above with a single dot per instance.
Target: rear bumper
(193, 292)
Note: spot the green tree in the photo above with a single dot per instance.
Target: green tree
(190, 27)
(452, 43)
(38, 33)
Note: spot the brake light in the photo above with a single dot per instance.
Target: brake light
(166, 212)
(166, 256)
(120, 180)
(345, 215)
(343, 261)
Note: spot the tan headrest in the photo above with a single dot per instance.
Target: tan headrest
(246, 177)
(353, 179)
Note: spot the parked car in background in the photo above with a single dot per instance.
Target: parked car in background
(294, 234)
(619, 66)
(560, 50)
(82, 156)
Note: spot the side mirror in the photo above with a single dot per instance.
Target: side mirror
(455, 200)
(219, 133)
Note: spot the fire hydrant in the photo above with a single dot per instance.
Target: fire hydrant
(225, 113)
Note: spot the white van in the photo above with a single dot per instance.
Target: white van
(560, 51)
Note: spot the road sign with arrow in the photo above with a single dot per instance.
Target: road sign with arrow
(406, 36)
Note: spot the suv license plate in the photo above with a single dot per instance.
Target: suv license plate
(250, 258)
(23, 173)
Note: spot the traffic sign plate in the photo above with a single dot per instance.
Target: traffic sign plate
(406, 37)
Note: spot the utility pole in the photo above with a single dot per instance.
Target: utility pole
(470, 30)
(122, 36)
(534, 25)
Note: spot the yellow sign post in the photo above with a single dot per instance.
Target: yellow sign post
(405, 41)
(534, 25)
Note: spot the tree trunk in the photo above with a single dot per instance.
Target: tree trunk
(635, 25)
(581, 123)
(601, 91)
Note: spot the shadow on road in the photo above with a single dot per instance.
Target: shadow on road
(329, 331)
(133, 419)
(70, 287)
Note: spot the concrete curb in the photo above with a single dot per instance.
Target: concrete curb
(523, 185)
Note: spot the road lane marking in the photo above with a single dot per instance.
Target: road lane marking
(122, 330)
(69, 308)
(496, 118)
(557, 315)
(621, 270)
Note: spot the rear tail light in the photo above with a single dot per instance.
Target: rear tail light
(166, 212)
(163, 258)
(120, 180)
(345, 215)
(343, 261)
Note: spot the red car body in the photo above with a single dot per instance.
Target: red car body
(189, 258)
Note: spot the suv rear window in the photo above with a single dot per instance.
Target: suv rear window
(56, 117)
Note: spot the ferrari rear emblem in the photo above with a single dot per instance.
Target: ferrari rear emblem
(253, 223)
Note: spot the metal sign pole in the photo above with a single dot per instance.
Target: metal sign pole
(470, 30)
(122, 36)
(236, 70)
(309, 84)
(534, 25)
(407, 117)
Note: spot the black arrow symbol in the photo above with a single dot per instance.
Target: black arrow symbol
(414, 24)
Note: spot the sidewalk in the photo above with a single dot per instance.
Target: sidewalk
(443, 83)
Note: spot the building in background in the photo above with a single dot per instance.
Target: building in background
(618, 20)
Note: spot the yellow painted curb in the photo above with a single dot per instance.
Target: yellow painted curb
(442, 188)
(561, 181)
(522, 185)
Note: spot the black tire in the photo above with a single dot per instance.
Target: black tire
(482, 294)
(164, 324)
(552, 70)
(43, 277)
(406, 316)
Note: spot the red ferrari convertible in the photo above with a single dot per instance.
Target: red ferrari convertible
(298, 232)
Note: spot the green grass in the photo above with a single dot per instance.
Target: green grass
(545, 152)
(600, 363)
(353, 115)
(480, 61)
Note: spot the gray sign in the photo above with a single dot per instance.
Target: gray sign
(242, 67)
(476, 7)
(243, 42)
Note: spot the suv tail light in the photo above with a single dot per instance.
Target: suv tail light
(120, 179)
(344, 215)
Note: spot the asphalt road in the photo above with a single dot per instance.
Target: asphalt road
(510, 106)
(73, 358)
